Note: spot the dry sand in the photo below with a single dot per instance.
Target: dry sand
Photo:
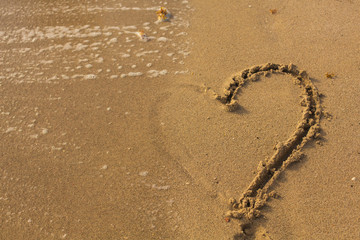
(105, 136)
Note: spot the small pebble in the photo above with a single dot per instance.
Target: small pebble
(144, 173)
(44, 131)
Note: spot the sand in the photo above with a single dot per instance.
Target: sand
(232, 120)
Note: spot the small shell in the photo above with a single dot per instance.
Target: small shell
(143, 37)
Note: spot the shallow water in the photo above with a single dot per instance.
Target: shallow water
(65, 41)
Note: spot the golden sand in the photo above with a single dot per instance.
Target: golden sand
(209, 129)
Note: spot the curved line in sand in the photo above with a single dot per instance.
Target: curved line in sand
(256, 194)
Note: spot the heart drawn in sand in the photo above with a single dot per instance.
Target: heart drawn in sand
(254, 197)
(201, 159)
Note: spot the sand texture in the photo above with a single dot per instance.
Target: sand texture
(201, 120)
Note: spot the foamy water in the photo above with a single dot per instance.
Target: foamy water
(81, 51)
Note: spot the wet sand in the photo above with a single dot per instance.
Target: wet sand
(105, 136)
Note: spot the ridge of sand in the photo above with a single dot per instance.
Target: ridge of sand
(256, 194)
